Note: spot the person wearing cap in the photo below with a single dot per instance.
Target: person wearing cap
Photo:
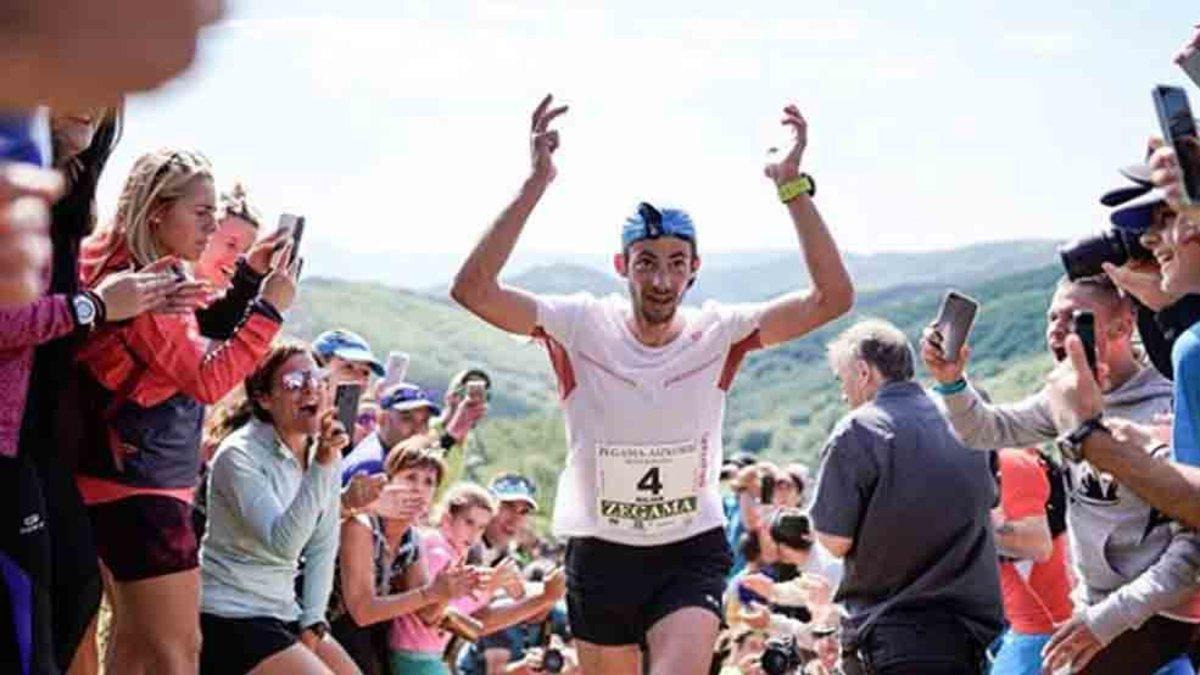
(1120, 447)
(466, 404)
(404, 411)
(1138, 572)
(1140, 208)
(515, 500)
(643, 383)
(347, 357)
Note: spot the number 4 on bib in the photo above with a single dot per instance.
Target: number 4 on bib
(648, 488)
(651, 482)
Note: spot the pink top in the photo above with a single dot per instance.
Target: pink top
(409, 633)
(21, 330)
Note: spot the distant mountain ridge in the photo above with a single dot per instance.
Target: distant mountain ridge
(766, 275)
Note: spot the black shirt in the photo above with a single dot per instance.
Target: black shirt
(896, 480)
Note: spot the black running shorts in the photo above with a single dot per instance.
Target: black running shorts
(237, 646)
(616, 593)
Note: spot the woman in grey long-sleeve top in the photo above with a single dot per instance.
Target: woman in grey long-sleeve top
(273, 499)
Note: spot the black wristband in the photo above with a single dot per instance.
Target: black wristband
(448, 441)
(264, 307)
(244, 271)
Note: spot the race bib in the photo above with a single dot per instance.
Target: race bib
(649, 488)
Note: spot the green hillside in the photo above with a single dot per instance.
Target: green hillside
(440, 337)
(782, 405)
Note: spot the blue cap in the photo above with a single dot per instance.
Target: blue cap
(405, 396)
(1133, 205)
(513, 487)
(652, 223)
(347, 345)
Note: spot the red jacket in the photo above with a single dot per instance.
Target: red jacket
(161, 373)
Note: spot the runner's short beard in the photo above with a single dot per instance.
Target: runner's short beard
(658, 318)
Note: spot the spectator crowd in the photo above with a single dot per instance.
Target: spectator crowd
(185, 488)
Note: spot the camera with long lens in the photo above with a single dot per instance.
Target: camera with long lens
(552, 660)
(781, 656)
(1083, 257)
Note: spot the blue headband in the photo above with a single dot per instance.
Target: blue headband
(651, 223)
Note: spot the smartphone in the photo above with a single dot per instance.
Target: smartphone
(1083, 324)
(1179, 129)
(954, 321)
(767, 493)
(1191, 66)
(397, 367)
(346, 402)
(295, 225)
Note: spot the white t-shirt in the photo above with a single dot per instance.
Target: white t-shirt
(643, 423)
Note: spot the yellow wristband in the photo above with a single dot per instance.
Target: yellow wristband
(802, 185)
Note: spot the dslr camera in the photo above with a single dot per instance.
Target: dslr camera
(781, 656)
(1082, 257)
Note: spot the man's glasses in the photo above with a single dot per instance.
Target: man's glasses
(300, 379)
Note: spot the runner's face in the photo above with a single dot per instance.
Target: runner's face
(658, 272)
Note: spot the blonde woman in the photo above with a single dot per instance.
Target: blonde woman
(152, 377)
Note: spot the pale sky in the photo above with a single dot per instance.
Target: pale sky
(404, 125)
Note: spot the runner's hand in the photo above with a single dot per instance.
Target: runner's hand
(943, 370)
(543, 141)
(788, 167)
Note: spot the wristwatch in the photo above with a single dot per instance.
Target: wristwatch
(85, 310)
(801, 185)
(448, 441)
(1071, 444)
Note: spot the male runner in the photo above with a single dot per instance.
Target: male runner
(643, 384)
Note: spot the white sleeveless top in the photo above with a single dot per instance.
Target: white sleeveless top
(643, 423)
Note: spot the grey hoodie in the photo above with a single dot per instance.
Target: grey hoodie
(1132, 561)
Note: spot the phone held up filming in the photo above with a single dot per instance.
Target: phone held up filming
(954, 322)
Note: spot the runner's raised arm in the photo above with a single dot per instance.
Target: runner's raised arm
(477, 285)
(792, 315)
